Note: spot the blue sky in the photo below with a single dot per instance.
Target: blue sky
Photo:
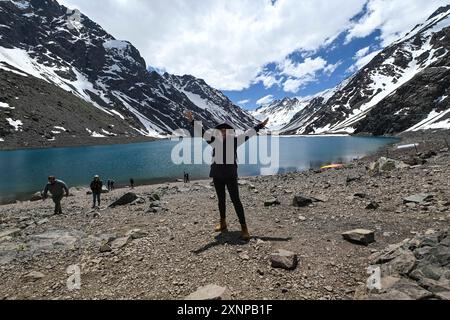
(338, 52)
(256, 49)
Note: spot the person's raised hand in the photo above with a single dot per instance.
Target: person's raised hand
(264, 123)
(189, 115)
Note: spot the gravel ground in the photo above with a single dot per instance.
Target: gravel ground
(176, 250)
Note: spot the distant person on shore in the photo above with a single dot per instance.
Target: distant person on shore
(96, 187)
(112, 185)
(57, 188)
(109, 185)
(224, 174)
(132, 183)
(188, 178)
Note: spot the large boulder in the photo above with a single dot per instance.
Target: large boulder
(360, 236)
(209, 293)
(124, 200)
(283, 259)
(415, 269)
(385, 165)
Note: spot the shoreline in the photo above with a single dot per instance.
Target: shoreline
(404, 138)
(25, 197)
(76, 143)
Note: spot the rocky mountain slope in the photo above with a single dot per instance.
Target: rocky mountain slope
(45, 40)
(280, 112)
(405, 87)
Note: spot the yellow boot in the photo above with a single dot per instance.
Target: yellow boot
(222, 226)
(245, 234)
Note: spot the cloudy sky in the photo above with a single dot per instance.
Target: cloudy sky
(259, 50)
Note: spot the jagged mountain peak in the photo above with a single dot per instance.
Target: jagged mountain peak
(65, 48)
(395, 92)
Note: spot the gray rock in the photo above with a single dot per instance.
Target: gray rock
(124, 200)
(418, 198)
(391, 295)
(120, 242)
(443, 295)
(36, 197)
(435, 286)
(403, 264)
(272, 202)
(412, 289)
(154, 197)
(33, 276)
(360, 236)
(385, 165)
(210, 293)
(283, 259)
(136, 234)
(302, 201)
(105, 248)
(373, 205)
(10, 233)
(426, 270)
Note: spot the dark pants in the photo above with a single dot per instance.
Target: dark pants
(57, 201)
(233, 190)
(96, 196)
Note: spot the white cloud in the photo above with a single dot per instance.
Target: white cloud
(293, 85)
(265, 100)
(393, 18)
(228, 43)
(225, 42)
(244, 102)
(303, 73)
(362, 58)
(361, 53)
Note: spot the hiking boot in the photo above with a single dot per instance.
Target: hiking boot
(245, 234)
(222, 226)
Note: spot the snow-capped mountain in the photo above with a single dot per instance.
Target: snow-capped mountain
(280, 112)
(405, 87)
(63, 47)
(213, 102)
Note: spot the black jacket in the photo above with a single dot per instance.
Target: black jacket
(220, 168)
(96, 186)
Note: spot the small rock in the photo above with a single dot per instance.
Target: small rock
(124, 200)
(105, 248)
(302, 201)
(210, 293)
(418, 198)
(373, 205)
(10, 233)
(120, 242)
(361, 236)
(272, 202)
(34, 276)
(136, 234)
(283, 259)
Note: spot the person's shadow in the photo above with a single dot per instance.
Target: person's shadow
(233, 239)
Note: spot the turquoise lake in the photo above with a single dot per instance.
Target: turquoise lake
(24, 172)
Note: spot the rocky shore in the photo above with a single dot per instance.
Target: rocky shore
(314, 236)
